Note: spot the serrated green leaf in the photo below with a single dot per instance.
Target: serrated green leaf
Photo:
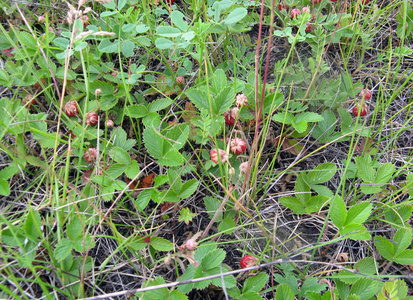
(285, 118)
(189, 274)
(227, 225)
(370, 188)
(174, 181)
(322, 173)
(385, 247)
(404, 258)
(311, 285)
(219, 81)
(159, 104)
(212, 259)
(224, 100)
(203, 250)
(284, 293)
(153, 142)
(338, 212)
(33, 224)
(359, 213)
(212, 205)
(199, 273)
(119, 155)
(364, 170)
(136, 111)
(143, 199)
(302, 189)
(353, 297)
(255, 283)
(356, 232)
(346, 119)
(115, 170)
(118, 185)
(229, 280)
(250, 296)
(402, 239)
(188, 188)
(294, 204)
(199, 98)
(300, 126)
(132, 169)
(322, 190)
(365, 288)
(74, 228)
(161, 244)
(309, 117)
(63, 249)
(171, 159)
(325, 128)
(384, 173)
(177, 295)
(315, 203)
(84, 243)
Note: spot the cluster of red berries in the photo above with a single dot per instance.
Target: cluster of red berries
(236, 145)
(360, 109)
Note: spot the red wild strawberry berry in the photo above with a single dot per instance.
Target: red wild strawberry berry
(147, 239)
(363, 111)
(223, 156)
(241, 100)
(282, 6)
(91, 118)
(366, 93)
(237, 145)
(171, 1)
(29, 100)
(91, 155)
(248, 261)
(365, 1)
(71, 108)
(231, 115)
(308, 28)
(295, 12)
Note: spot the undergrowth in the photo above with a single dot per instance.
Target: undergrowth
(189, 149)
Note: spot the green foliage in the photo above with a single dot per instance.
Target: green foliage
(350, 222)
(251, 288)
(373, 181)
(216, 98)
(165, 145)
(305, 203)
(396, 249)
(394, 290)
(209, 260)
(186, 215)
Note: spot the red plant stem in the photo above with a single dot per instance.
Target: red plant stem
(259, 106)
